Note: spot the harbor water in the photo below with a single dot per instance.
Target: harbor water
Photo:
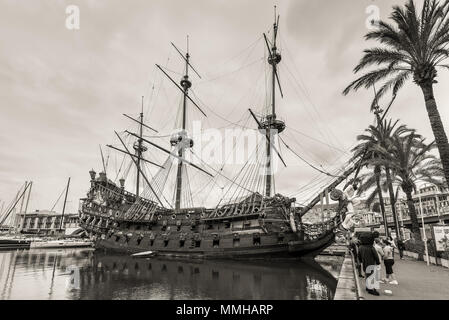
(86, 274)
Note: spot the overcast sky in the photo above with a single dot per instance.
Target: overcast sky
(63, 91)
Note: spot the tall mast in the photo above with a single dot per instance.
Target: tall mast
(273, 61)
(26, 207)
(185, 84)
(63, 207)
(21, 204)
(271, 125)
(180, 140)
(139, 149)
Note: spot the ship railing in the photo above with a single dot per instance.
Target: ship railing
(237, 209)
(253, 204)
(98, 210)
(115, 194)
(140, 211)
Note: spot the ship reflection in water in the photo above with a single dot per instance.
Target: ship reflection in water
(85, 274)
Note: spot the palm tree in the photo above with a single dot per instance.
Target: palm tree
(414, 46)
(379, 137)
(372, 182)
(433, 172)
(411, 161)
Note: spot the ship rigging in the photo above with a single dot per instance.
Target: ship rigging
(249, 219)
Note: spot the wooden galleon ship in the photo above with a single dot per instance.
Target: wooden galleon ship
(251, 223)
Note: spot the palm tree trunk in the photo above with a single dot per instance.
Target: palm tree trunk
(381, 199)
(412, 212)
(392, 202)
(437, 127)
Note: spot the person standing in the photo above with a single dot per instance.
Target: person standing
(369, 259)
(380, 252)
(389, 262)
(401, 248)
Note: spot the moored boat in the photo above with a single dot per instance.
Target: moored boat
(11, 243)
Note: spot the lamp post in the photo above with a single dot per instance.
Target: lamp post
(423, 229)
(437, 204)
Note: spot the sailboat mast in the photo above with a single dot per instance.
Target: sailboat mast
(26, 207)
(65, 202)
(21, 205)
(139, 150)
(185, 84)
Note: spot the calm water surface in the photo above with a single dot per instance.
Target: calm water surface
(85, 274)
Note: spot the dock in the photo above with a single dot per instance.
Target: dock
(348, 286)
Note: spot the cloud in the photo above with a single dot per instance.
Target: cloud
(63, 92)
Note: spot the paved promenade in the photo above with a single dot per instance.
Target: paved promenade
(417, 281)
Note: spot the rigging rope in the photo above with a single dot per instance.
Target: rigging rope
(302, 86)
(58, 198)
(308, 163)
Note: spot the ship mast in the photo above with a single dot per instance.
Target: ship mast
(271, 125)
(180, 140)
(139, 148)
(185, 84)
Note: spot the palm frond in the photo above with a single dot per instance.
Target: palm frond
(378, 56)
(370, 78)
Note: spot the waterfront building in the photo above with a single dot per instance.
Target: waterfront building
(434, 203)
(371, 217)
(434, 200)
(45, 222)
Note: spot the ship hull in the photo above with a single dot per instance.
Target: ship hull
(268, 247)
(253, 228)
